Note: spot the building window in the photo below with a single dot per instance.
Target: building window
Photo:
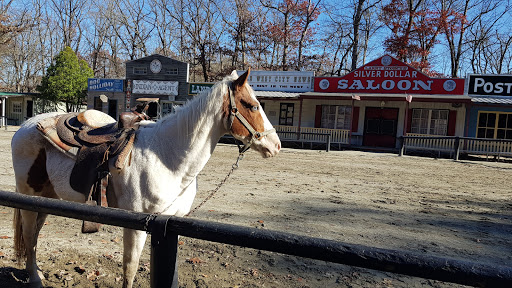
(336, 117)
(430, 121)
(494, 125)
(286, 114)
(172, 71)
(140, 70)
(16, 108)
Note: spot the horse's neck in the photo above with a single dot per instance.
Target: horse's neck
(184, 142)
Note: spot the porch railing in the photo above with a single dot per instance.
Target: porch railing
(457, 145)
(429, 142)
(310, 134)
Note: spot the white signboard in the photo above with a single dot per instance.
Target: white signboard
(286, 81)
(155, 87)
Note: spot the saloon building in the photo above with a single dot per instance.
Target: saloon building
(373, 106)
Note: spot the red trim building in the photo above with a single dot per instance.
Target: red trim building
(374, 105)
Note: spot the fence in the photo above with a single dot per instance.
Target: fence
(337, 135)
(164, 232)
(456, 145)
(312, 135)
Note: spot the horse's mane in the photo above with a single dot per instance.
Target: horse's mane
(189, 113)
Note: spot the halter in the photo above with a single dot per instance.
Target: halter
(255, 135)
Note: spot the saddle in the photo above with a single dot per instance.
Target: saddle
(92, 138)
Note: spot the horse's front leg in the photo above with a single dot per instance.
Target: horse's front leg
(133, 241)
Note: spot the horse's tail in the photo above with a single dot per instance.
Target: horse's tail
(19, 243)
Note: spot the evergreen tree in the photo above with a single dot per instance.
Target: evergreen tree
(66, 80)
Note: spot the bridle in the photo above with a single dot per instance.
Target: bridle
(255, 135)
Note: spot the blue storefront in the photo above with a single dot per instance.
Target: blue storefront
(107, 95)
(490, 113)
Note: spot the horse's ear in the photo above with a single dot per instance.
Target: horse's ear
(242, 79)
(234, 74)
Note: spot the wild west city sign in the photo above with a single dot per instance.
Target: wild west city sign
(391, 76)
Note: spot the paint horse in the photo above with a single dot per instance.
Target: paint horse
(165, 160)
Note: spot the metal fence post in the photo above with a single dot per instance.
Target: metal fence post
(164, 255)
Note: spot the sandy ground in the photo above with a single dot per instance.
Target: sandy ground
(424, 205)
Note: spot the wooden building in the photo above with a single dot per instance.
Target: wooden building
(373, 106)
(158, 77)
(106, 95)
(16, 107)
(490, 111)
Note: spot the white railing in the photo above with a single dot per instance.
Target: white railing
(456, 145)
(310, 134)
(429, 142)
(487, 146)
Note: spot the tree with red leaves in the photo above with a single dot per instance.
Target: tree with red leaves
(291, 27)
(415, 25)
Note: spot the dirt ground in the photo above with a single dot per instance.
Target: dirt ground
(436, 206)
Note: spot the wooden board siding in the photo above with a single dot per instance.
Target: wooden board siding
(167, 65)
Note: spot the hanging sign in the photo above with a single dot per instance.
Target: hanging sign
(105, 85)
(389, 75)
(285, 81)
(490, 85)
(197, 88)
(155, 87)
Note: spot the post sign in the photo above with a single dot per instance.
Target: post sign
(389, 75)
(105, 85)
(155, 87)
(490, 85)
(197, 88)
(285, 81)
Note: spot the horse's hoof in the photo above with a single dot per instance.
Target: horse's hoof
(35, 284)
(35, 280)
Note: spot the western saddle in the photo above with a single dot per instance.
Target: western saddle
(92, 138)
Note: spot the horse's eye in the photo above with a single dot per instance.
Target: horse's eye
(255, 108)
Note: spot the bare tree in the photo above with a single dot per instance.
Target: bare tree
(308, 13)
(480, 40)
(70, 17)
(474, 13)
(132, 26)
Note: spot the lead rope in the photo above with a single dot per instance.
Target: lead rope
(212, 192)
(152, 216)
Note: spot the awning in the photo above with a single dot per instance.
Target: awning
(492, 100)
(276, 94)
(391, 97)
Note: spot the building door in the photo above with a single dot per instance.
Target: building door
(380, 127)
(112, 108)
(30, 108)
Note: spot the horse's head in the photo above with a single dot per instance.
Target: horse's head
(246, 120)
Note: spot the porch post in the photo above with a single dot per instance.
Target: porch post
(300, 117)
(3, 119)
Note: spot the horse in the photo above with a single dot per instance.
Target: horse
(166, 157)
